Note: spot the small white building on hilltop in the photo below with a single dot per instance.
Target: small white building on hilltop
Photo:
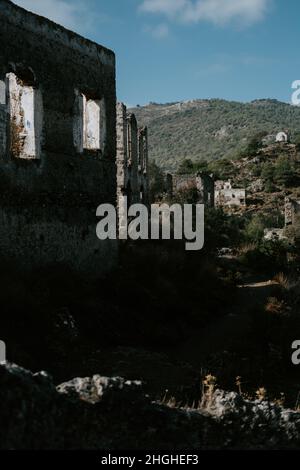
(282, 137)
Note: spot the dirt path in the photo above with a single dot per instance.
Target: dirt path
(258, 285)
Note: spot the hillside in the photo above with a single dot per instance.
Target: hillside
(268, 178)
(211, 129)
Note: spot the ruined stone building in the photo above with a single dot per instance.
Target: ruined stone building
(292, 212)
(282, 137)
(274, 234)
(57, 142)
(202, 183)
(143, 173)
(292, 222)
(226, 196)
(132, 160)
(223, 185)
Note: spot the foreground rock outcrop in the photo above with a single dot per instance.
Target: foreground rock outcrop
(101, 413)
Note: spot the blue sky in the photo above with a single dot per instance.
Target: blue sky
(173, 50)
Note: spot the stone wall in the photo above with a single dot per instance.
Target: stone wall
(132, 161)
(226, 196)
(292, 223)
(292, 212)
(206, 189)
(201, 182)
(57, 143)
(143, 176)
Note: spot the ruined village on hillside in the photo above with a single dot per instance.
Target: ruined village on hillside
(68, 148)
(252, 197)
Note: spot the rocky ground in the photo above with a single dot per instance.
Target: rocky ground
(101, 413)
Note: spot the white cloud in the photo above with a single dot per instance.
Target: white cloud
(168, 7)
(213, 70)
(74, 15)
(215, 11)
(159, 31)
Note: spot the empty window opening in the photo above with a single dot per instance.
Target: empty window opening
(91, 124)
(25, 118)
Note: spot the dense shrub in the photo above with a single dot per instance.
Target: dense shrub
(267, 257)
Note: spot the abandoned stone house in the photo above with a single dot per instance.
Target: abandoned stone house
(292, 221)
(273, 234)
(132, 162)
(220, 184)
(292, 212)
(57, 143)
(202, 183)
(226, 196)
(143, 159)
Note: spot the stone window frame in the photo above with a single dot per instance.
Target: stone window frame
(82, 96)
(21, 76)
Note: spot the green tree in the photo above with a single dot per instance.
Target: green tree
(284, 172)
(267, 172)
(221, 229)
(254, 230)
(222, 169)
(201, 166)
(269, 187)
(255, 144)
(296, 141)
(186, 167)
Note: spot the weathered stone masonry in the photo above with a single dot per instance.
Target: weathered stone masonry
(57, 142)
(227, 196)
(202, 182)
(292, 221)
(132, 161)
(292, 212)
(143, 175)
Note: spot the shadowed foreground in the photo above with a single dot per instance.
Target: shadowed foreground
(101, 413)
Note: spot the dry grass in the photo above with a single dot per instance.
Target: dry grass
(247, 248)
(283, 281)
(275, 306)
(280, 401)
(261, 394)
(238, 383)
(209, 384)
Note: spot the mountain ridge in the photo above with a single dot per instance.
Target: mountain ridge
(210, 129)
